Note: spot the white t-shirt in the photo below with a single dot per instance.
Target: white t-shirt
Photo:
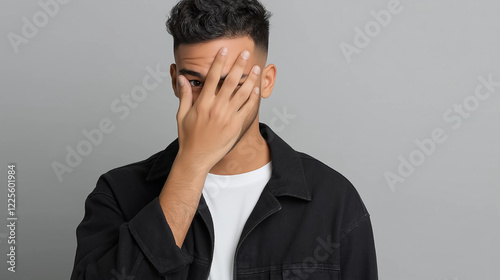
(230, 200)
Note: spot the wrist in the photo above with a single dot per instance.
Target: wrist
(192, 163)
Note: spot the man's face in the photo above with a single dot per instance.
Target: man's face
(194, 61)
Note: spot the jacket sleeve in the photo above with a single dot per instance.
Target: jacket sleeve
(109, 247)
(357, 251)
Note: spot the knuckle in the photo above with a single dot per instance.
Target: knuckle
(214, 71)
(215, 113)
(248, 86)
(241, 62)
(254, 76)
(251, 80)
(237, 99)
(231, 80)
(201, 108)
(226, 121)
(212, 76)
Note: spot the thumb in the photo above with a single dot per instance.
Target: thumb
(186, 96)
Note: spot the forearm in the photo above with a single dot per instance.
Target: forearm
(181, 194)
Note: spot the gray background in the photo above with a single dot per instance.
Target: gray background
(358, 117)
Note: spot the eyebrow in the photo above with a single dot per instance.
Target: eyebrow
(199, 75)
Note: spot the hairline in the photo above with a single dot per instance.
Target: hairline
(258, 47)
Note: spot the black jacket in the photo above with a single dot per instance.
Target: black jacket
(309, 223)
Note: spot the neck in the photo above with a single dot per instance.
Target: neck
(250, 153)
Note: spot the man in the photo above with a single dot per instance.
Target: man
(228, 199)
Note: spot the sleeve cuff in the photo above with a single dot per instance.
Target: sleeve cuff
(154, 236)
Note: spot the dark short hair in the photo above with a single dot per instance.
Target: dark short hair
(196, 21)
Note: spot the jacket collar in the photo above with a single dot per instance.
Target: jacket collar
(287, 177)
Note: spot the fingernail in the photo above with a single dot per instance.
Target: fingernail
(256, 90)
(245, 55)
(223, 51)
(256, 69)
(182, 82)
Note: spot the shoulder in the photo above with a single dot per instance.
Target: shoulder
(126, 175)
(325, 178)
(126, 186)
(332, 190)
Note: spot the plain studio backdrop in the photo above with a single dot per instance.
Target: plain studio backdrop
(401, 97)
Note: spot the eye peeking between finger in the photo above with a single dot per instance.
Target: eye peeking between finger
(199, 84)
(195, 83)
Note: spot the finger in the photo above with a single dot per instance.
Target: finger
(245, 90)
(213, 76)
(251, 102)
(186, 96)
(234, 76)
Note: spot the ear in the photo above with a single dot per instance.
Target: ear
(268, 80)
(173, 76)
